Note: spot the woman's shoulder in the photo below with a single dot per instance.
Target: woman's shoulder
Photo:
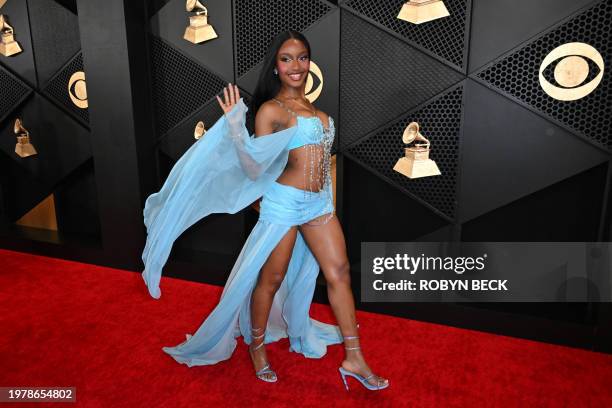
(271, 106)
(269, 111)
(270, 118)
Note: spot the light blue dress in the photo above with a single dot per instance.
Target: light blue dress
(223, 172)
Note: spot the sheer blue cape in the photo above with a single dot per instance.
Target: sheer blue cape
(222, 172)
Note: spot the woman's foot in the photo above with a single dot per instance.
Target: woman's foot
(257, 351)
(355, 362)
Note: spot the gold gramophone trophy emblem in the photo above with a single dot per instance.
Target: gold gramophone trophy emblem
(416, 162)
(422, 11)
(8, 45)
(199, 130)
(23, 147)
(198, 30)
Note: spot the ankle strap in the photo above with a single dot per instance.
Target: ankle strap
(259, 337)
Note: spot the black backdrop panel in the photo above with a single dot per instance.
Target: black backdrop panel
(440, 123)
(216, 54)
(76, 203)
(68, 4)
(565, 211)
(57, 88)
(16, 13)
(509, 152)
(444, 37)
(257, 23)
(180, 85)
(61, 143)
(20, 191)
(55, 35)
(176, 142)
(498, 26)
(380, 212)
(517, 75)
(13, 91)
(381, 78)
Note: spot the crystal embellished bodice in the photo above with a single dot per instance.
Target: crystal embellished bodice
(309, 163)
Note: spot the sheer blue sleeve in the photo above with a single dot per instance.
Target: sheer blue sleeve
(223, 172)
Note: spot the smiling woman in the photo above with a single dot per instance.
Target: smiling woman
(287, 161)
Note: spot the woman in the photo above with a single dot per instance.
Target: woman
(268, 292)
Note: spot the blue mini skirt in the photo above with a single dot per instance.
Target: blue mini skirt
(287, 205)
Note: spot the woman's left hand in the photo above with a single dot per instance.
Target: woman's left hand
(230, 98)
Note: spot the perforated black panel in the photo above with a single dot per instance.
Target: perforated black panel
(180, 86)
(58, 88)
(440, 123)
(517, 75)
(12, 91)
(256, 26)
(444, 37)
(382, 77)
(52, 47)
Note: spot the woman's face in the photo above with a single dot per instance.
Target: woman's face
(292, 63)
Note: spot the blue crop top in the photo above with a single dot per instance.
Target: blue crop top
(310, 129)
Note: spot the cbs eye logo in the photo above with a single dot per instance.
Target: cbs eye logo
(571, 71)
(314, 82)
(78, 90)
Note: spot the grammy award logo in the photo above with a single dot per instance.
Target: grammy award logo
(314, 82)
(199, 130)
(416, 162)
(198, 30)
(23, 148)
(8, 45)
(571, 70)
(422, 11)
(77, 89)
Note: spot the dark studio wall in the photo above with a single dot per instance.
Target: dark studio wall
(517, 165)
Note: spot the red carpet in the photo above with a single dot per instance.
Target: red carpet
(71, 324)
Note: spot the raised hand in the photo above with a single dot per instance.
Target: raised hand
(229, 98)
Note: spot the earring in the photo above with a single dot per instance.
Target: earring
(275, 71)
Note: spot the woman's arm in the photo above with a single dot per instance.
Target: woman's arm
(235, 113)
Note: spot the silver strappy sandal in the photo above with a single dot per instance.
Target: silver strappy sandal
(264, 373)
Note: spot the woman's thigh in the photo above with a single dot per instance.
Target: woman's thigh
(327, 244)
(275, 267)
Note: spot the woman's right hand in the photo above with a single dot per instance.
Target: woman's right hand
(230, 98)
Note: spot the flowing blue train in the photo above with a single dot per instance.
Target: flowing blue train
(223, 172)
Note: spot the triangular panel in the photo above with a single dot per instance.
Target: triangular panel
(382, 77)
(440, 123)
(257, 23)
(444, 37)
(500, 25)
(180, 85)
(517, 75)
(55, 36)
(509, 152)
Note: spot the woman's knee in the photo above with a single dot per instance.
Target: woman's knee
(270, 281)
(339, 274)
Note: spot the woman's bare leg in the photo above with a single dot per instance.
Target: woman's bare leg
(268, 282)
(327, 244)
